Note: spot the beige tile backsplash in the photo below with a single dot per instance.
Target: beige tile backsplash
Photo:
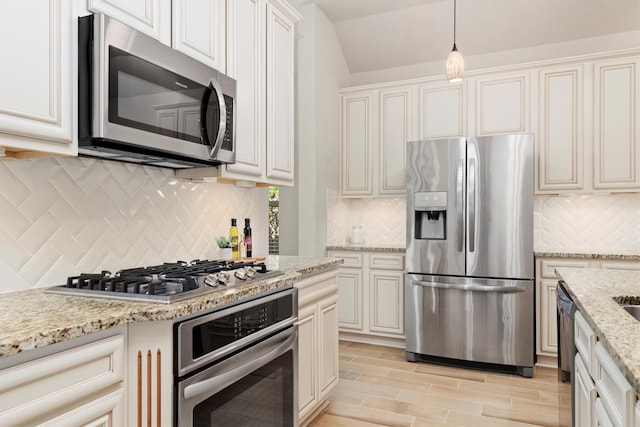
(60, 217)
(588, 222)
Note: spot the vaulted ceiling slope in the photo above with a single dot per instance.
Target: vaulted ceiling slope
(381, 34)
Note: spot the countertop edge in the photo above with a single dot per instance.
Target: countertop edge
(366, 248)
(72, 316)
(606, 317)
(555, 253)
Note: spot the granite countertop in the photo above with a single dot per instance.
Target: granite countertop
(32, 318)
(367, 248)
(588, 254)
(593, 290)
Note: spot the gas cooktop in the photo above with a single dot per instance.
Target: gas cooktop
(166, 283)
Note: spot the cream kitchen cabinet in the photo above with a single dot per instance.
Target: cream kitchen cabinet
(195, 27)
(546, 321)
(261, 59)
(150, 373)
(616, 120)
(39, 80)
(151, 17)
(617, 395)
(500, 104)
(371, 295)
(198, 28)
(82, 385)
(589, 116)
(603, 396)
(442, 112)
(376, 125)
(546, 284)
(317, 342)
(562, 126)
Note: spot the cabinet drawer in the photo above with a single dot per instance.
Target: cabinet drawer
(617, 395)
(585, 340)
(585, 394)
(602, 418)
(549, 266)
(351, 259)
(382, 261)
(35, 388)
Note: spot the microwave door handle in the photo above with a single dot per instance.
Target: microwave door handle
(222, 126)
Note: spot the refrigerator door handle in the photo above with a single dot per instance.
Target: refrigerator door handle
(459, 207)
(469, 287)
(472, 205)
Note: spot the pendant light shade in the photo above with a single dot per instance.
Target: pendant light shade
(455, 63)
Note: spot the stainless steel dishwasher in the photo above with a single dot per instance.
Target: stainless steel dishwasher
(566, 343)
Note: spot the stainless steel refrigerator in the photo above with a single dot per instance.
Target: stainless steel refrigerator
(470, 265)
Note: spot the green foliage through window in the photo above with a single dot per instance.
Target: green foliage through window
(274, 222)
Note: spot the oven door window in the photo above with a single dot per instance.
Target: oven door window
(262, 398)
(147, 97)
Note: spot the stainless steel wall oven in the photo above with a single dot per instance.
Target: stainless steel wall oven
(238, 366)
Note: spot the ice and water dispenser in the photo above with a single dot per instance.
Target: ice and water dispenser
(430, 214)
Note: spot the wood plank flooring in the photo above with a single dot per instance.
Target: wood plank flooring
(378, 387)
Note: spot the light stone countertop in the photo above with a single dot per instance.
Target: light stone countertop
(33, 319)
(366, 248)
(592, 290)
(588, 254)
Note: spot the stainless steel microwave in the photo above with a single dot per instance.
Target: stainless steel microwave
(141, 101)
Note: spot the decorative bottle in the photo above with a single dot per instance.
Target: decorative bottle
(233, 236)
(247, 237)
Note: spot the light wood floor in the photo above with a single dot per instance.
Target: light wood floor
(378, 387)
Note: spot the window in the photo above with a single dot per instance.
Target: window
(274, 222)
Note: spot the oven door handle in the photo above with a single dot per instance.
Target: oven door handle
(469, 287)
(223, 379)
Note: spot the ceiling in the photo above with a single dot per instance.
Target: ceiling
(379, 34)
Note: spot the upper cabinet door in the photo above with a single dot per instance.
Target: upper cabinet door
(199, 28)
(441, 111)
(502, 104)
(38, 87)
(151, 17)
(280, 95)
(561, 137)
(396, 129)
(357, 133)
(246, 64)
(616, 119)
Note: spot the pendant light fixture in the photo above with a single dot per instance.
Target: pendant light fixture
(455, 63)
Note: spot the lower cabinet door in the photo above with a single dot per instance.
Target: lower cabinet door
(350, 294)
(585, 394)
(328, 339)
(106, 411)
(307, 354)
(386, 294)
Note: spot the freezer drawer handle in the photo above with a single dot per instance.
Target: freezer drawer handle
(469, 287)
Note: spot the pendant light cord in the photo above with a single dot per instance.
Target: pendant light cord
(454, 24)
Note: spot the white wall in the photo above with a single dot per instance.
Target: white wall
(321, 72)
(62, 217)
(613, 42)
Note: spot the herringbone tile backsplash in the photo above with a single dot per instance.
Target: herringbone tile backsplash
(60, 217)
(571, 223)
